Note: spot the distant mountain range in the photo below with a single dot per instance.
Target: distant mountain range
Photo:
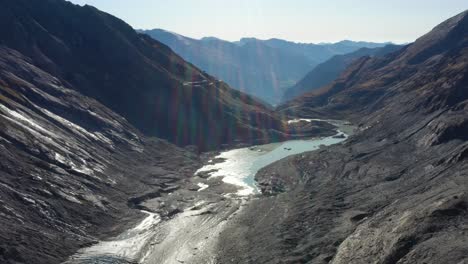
(329, 70)
(262, 68)
(317, 53)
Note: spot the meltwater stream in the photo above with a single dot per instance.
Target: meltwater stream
(239, 166)
(123, 249)
(143, 244)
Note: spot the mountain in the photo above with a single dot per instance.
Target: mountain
(139, 78)
(69, 166)
(262, 68)
(255, 68)
(397, 190)
(82, 97)
(369, 82)
(321, 52)
(328, 71)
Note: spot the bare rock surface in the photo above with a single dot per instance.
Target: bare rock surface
(396, 191)
(70, 166)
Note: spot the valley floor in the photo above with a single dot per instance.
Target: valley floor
(202, 219)
(188, 233)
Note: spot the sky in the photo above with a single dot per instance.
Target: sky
(308, 21)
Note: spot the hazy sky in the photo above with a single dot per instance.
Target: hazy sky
(296, 20)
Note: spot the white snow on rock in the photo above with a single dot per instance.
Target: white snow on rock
(78, 129)
(24, 121)
(202, 186)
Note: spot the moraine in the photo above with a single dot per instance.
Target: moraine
(175, 239)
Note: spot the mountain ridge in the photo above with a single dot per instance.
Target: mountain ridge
(386, 71)
(69, 165)
(328, 71)
(142, 83)
(258, 67)
(395, 191)
(82, 97)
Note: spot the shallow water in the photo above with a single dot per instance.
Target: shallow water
(241, 165)
(143, 243)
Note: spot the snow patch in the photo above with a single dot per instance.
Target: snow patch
(83, 168)
(105, 120)
(32, 127)
(22, 119)
(60, 158)
(297, 120)
(202, 186)
(78, 129)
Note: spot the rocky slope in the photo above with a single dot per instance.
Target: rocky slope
(262, 68)
(69, 166)
(418, 70)
(76, 88)
(395, 192)
(137, 77)
(73, 169)
(325, 73)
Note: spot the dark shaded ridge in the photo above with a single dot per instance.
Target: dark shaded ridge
(134, 75)
(68, 166)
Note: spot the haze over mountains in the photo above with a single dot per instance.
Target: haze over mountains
(99, 123)
(262, 68)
